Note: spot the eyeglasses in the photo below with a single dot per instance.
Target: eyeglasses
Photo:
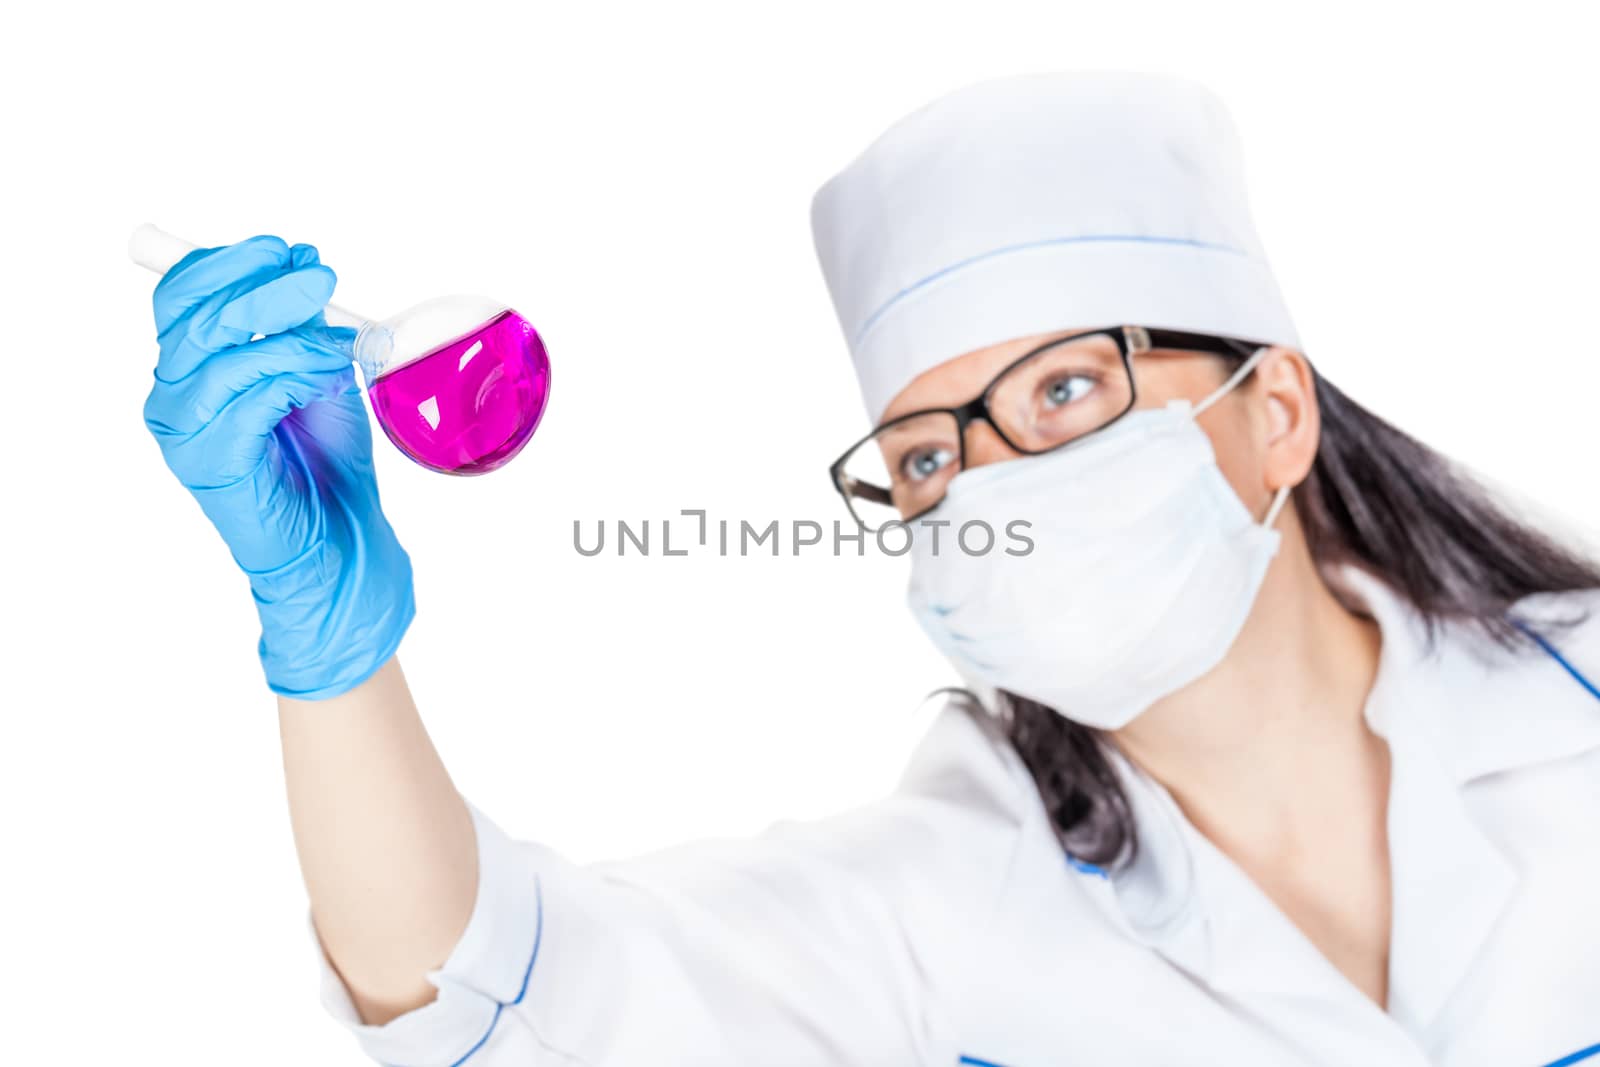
(1053, 395)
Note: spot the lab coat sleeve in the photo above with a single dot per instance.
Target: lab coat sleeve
(814, 943)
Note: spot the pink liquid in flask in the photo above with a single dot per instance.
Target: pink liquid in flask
(469, 405)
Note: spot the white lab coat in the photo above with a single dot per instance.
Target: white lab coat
(944, 925)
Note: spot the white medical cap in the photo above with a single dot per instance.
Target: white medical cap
(1041, 202)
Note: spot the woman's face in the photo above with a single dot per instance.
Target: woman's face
(1247, 427)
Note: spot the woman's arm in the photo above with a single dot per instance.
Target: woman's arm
(386, 843)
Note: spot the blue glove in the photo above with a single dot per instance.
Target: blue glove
(271, 437)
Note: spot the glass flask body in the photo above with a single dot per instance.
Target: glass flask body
(458, 384)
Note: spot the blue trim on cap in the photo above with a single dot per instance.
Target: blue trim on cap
(973, 1061)
(1581, 1054)
(1126, 238)
(500, 1006)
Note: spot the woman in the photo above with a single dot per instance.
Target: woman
(1280, 747)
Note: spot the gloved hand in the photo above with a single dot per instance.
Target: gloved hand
(271, 437)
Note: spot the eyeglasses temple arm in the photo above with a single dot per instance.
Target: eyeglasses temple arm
(865, 490)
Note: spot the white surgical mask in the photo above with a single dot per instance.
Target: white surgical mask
(1143, 569)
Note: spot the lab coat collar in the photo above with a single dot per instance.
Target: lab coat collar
(1449, 883)
(1453, 709)
(1480, 707)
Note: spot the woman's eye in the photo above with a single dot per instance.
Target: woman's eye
(924, 463)
(1061, 391)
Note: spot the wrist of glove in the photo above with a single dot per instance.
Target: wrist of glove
(335, 610)
(327, 626)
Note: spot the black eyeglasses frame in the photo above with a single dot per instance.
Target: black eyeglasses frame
(1130, 340)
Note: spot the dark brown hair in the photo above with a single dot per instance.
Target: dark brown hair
(1377, 498)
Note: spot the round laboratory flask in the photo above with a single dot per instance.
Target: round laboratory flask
(458, 384)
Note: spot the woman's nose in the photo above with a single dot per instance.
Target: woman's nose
(983, 445)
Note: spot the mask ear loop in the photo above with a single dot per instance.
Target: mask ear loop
(1234, 379)
(1280, 498)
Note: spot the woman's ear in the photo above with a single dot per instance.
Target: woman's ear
(1287, 388)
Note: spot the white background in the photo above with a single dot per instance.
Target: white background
(636, 180)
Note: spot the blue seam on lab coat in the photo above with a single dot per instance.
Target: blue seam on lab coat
(1581, 1054)
(1565, 1061)
(1086, 867)
(1128, 237)
(1559, 658)
(1592, 1050)
(500, 1006)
